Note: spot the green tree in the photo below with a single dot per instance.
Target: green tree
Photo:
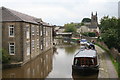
(86, 20)
(118, 32)
(5, 56)
(109, 31)
(90, 34)
(70, 27)
(108, 23)
(110, 38)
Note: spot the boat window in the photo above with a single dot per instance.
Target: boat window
(95, 61)
(91, 61)
(85, 61)
(82, 61)
(77, 62)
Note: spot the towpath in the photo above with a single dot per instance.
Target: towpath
(107, 69)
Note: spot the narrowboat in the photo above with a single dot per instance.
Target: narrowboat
(86, 61)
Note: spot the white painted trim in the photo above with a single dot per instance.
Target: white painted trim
(13, 31)
(10, 50)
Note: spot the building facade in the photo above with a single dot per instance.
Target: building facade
(90, 26)
(24, 37)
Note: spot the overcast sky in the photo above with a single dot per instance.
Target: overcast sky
(59, 12)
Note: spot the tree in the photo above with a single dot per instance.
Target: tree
(110, 31)
(89, 34)
(86, 20)
(5, 56)
(107, 23)
(70, 27)
(110, 38)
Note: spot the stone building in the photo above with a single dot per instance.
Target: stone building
(24, 37)
(91, 26)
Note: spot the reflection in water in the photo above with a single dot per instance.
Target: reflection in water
(71, 49)
(37, 68)
(62, 62)
(49, 64)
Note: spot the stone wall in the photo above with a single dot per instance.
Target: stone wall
(17, 39)
(114, 52)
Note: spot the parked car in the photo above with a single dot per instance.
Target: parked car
(86, 61)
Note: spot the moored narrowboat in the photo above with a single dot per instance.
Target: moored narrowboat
(86, 60)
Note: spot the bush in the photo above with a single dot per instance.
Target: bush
(89, 34)
(92, 34)
(5, 56)
(110, 38)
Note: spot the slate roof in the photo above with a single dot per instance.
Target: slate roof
(12, 15)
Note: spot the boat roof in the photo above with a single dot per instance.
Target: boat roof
(86, 53)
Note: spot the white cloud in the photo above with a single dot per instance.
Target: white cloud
(63, 11)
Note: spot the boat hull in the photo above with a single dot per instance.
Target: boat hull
(85, 69)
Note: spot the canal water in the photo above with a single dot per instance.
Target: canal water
(55, 63)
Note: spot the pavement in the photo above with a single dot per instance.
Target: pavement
(106, 68)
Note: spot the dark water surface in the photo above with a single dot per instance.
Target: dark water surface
(55, 63)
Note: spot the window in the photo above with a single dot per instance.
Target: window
(46, 33)
(37, 30)
(33, 44)
(37, 43)
(77, 62)
(11, 31)
(11, 48)
(44, 30)
(27, 33)
(28, 48)
(41, 33)
(41, 45)
(33, 30)
(47, 42)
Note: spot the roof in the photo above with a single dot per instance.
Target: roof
(11, 15)
(86, 53)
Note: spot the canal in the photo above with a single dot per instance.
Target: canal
(55, 63)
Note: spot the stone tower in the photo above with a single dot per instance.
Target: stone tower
(94, 20)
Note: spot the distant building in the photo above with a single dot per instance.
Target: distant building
(119, 9)
(91, 26)
(24, 37)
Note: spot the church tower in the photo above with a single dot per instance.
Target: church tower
(94, 20)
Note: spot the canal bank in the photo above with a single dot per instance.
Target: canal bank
(107, 69)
